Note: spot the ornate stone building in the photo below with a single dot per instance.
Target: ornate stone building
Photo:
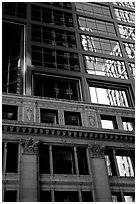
(68, 101)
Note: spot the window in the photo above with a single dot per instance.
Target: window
(129, 197)
(66, 5)
(127, 32)
(129, 50)
(51, 16)
(120, 163)
(72, 118)
(96, 26)
(12, 53)
(66, 196)
(82, 163)
(116, 197)
(132, 69)
(100, 45)
(45, 196)
(126, 16)
(55, 59)
(105, 67)
(47, 86)
(63, 160)
(113, 97)
(125, 4)
(53, 36)
(108, 122)
(94, 9)
(12, 158)
(49, 116)
(128, 124)
(9, 112)
(44, 163)
(10, 196)
(86, 196)
(18, 9)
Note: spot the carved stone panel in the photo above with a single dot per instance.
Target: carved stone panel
(28, 113)
(29, 146)
(92, 119)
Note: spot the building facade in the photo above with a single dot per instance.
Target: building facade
(68, 118)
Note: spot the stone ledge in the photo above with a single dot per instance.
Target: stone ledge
(90, 135)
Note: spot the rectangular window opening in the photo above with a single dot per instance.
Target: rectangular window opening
(66, 196)
(49, 116)
(12, 158)
(108, 122)
(72, 118)
(9, 112)
(44, 162)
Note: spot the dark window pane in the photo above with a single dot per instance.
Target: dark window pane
(72, 118)
(9, 112)
(82, 161)
(45, 196)
(49, 116)
(63, 160)
(10, 196)
(44, 163)
(86, 196)
(12, 158)
(66, 196)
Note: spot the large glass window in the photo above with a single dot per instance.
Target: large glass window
(44, 161)
(12, 53)
(97, 26)
(63, 160)
(127, 32)
(47, 15)
(55, 59)
(10, 196)
(113, 97)
(129, 50)
(18, 9)
(126, 16)
(53, 36)
(12, 158)
(120, 163)
(100, 45)
(105, 67)
(53, 87)
(93, 8)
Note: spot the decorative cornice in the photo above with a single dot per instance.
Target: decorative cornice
(29, 146)
(96, 150)
(60, 132)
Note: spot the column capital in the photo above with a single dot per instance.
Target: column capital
(30, 146)
(96, 150)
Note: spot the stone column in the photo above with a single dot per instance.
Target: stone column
(101, 184)
(29, 171)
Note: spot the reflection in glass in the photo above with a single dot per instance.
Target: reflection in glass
(127, 32)
(105, 46)
(106, 96)
(105, 67)
(129, 198)
(126, 16)
(132, 69)
(125, 166)
(129, 50)
(125, 4)
(108, 124)
(97, 26)
(93, 8)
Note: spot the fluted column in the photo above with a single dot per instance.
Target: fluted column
(101, 184)
(29, 171)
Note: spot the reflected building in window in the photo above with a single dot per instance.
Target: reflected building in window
(68, 122)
